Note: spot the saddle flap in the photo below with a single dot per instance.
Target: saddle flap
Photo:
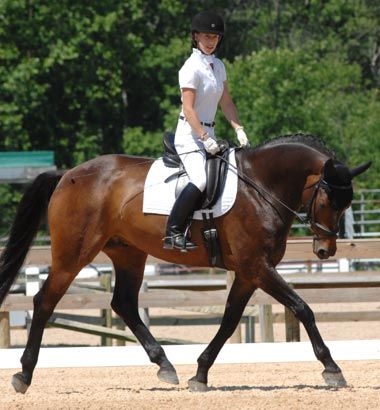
(216, 170)
(170, 157)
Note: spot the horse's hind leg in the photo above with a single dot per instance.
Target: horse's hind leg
(273, 284)
(44, 303)
(129, 266)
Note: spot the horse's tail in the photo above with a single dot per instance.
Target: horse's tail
(32, 208)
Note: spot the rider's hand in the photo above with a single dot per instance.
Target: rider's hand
(211, 146)
(242, 137)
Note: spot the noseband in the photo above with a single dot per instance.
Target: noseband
(315, 226)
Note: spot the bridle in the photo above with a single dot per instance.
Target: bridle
(320, 230)
(315, 226)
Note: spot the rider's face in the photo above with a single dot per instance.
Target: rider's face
(207, 42)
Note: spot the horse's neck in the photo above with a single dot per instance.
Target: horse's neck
(285, 169)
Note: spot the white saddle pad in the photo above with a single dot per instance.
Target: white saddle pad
(159, 196)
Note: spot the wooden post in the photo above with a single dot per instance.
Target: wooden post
(292, 326)
(266, 323)
(5, 332)
(236, 336)
(105, 281)
(120, 326)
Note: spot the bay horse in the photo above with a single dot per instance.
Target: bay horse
(97, 206)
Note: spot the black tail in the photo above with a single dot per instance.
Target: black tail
(32, 208)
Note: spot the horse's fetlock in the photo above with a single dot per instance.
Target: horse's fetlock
(203, 360)
(323, 354)
(156, 354)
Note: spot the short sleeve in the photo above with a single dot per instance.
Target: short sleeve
(223, 72)
(188, 77)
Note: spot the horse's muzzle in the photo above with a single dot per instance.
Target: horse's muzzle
(324, 248)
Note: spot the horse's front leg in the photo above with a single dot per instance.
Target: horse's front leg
(238, 297)
(273, 284)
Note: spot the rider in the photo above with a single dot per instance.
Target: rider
(203, 84)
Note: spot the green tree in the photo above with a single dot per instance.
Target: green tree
(288, 91)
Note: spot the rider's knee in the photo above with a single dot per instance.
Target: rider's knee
(200, 183)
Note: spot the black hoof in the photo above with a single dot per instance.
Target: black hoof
(19, 383)
(196, 386)
(334, 379)
(168, 376)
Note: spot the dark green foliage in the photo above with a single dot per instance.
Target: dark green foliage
(87, 78)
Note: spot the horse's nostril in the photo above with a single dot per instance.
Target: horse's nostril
(322, 254)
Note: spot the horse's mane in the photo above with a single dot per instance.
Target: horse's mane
(309, 140)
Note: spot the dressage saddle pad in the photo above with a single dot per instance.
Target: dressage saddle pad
(159, 196)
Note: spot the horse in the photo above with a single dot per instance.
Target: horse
(97, 206)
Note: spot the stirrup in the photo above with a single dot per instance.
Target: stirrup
(178, 241)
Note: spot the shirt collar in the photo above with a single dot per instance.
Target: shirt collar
(207, 58)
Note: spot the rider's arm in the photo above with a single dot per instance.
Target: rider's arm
(229, 108)
(188, 100)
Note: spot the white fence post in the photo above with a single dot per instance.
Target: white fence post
(32, 286)
(349, 223)
(144, 312)
(344, 263)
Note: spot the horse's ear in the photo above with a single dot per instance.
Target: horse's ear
(329, 170)
(354, 172)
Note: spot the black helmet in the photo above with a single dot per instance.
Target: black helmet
(207, 22)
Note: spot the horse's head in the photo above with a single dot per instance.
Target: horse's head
(331, 196)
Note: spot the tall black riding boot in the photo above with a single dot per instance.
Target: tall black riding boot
(183, 207)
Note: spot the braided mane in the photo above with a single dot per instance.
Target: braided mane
(312, 141)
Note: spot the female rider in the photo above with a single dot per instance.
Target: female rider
(203, 84)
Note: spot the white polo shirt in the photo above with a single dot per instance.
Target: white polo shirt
(197, 73)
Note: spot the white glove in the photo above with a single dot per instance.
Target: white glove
(211, 146)
(242, 137)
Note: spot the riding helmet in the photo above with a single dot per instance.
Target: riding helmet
(207, 22)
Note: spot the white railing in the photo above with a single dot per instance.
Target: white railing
(362, 219)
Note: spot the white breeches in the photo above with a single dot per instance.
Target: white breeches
(192, 153)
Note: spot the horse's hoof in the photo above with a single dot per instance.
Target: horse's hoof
(196, 386)
(334, 379)
(19, 384)
(168, 376)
